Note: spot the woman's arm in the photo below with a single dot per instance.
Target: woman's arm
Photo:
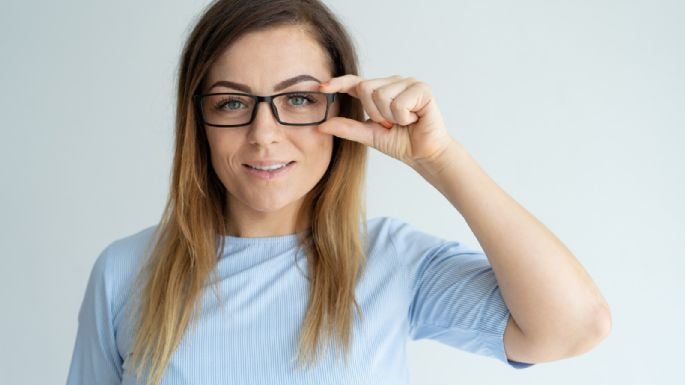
(556, 308)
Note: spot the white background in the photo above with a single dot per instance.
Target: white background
(575, 108)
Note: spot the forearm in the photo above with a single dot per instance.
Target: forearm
(549, 294)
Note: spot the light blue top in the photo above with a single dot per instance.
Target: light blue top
(414, 286)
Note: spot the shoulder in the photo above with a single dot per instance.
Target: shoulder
(125, 252)
(399, 233)
(410, 244)
(132, 244)
(115, 268)
(385, 226)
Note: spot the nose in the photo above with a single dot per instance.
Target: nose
(264, 129)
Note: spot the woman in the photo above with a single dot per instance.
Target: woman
(266, 210)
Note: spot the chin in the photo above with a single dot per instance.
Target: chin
(266, 206)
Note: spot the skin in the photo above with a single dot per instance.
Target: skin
(556, 309)
(260, 60)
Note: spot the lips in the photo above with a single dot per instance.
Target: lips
(267, 163)
(269, 174)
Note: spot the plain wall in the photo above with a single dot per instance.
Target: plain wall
(575, 108)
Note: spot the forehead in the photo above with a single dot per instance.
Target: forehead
(263, 58)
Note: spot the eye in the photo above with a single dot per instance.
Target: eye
(231, 103)
(301, 99)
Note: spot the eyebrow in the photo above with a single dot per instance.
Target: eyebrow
(280, 86)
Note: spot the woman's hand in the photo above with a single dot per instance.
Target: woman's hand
(404, 123)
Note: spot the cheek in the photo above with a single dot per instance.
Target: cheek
(324, 145)
(222, 148)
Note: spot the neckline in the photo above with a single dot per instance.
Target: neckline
(275, 240)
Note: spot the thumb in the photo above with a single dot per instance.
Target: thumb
(351, 129)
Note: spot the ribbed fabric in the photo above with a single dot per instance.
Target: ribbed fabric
(414, 286)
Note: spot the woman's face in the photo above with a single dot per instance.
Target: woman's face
(259, 61)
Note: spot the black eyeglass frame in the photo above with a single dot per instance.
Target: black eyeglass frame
(197, 101)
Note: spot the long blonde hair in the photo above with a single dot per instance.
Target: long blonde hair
(188, 240)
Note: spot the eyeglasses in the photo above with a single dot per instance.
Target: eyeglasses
(239, 109)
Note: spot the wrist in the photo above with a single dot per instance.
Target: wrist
(436, 164)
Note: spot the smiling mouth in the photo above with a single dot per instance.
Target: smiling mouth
(271, 167)
(278, 172)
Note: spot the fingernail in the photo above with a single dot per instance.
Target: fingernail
(387, 124)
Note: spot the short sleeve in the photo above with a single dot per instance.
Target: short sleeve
(454, 296)
(95, 358)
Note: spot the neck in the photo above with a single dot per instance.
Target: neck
(249, 223)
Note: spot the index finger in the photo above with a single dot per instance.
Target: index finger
(346, 83)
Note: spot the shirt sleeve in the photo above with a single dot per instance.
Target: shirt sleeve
(95, 358)
(454, 296)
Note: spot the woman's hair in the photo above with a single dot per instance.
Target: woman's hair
(189, 239)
